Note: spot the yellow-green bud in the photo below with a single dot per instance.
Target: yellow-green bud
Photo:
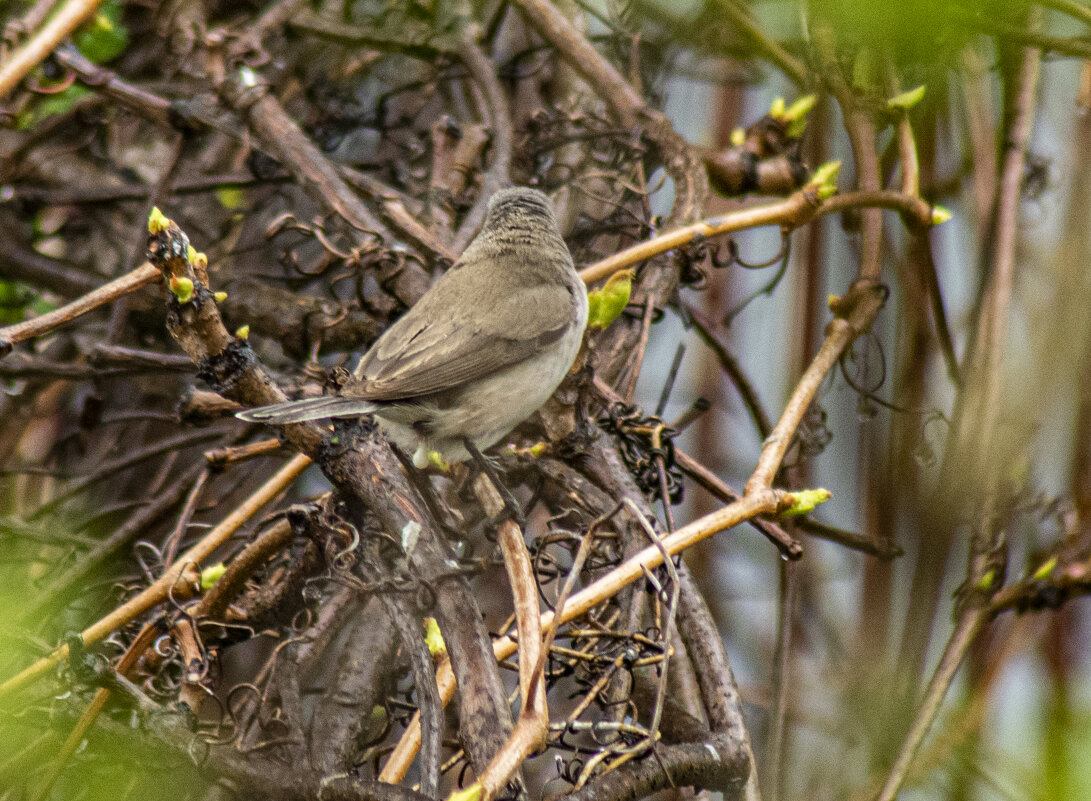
(604, 305)
(433, 638)
(799, 109)
(986, 581)
(1042, 573)
(471, 793)
(804, 501)
(157, 222)
(906, 100)
(182, 288)
(210, 575)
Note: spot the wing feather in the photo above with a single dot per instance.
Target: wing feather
(437, 346)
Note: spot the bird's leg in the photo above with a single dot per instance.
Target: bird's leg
(512, 509)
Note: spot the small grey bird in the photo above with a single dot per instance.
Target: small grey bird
(484, 347)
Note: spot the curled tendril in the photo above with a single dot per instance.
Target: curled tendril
(782, 257)
(634, 435)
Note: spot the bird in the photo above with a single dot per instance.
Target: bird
(484, 347)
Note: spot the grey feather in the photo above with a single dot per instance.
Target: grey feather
(300, 411)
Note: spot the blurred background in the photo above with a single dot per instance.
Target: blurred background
(856, 631)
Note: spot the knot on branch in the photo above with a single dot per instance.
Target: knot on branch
(222, 371)
(859, 306)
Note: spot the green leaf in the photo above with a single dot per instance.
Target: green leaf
(48, 105)
(104, 37)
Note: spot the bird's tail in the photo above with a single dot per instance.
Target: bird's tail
(300, 411)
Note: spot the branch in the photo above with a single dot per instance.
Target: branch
(130, 282)
(71, 15)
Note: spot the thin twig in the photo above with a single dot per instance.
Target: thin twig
(130, 282)
(961, 638)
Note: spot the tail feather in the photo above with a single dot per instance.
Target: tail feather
(300, 411)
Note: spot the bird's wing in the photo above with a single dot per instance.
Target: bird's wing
(466, 330)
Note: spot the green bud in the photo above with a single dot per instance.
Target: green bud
(433, 638)
(230, 197)
(826, 173)
(471, 793)
(804, 501)
(438, 462)
(1042, 573)
(157, 222)
(796, 128)
(824, 179)
(182, 288)
(940, 215)
(799, 109)
(210, 575)
(906, 100)
(604, 305)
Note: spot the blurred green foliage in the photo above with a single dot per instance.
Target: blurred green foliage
(912, 32)
(104, 37)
